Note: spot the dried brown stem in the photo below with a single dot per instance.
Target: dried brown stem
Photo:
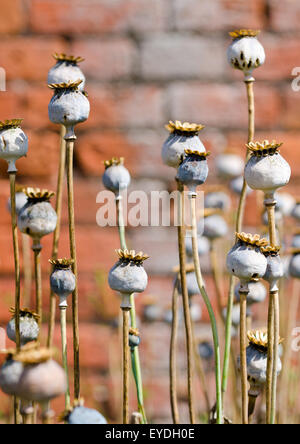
(37, 248)
(173, 355)
(243, 355)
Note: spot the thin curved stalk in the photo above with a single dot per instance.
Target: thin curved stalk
(186, 307)
(63, 328)
(209, 308)
(56, 234)
(173, 356)
(136, 365)
(270, 359)
(216, 277)
(243, 354)
(75, 315)
(37, 248)
(27, 270)
(126, 359)
(238, 229)
(275, 355)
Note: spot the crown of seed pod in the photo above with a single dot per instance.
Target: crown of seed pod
(246, 260)
(29, 327)
(62, 279)
(68, 106)
(257, 357)
(245, 52)
(294, 267)
(266, 169)
(236, 185)
(134, 338)
(66, 70)
(215, 226)
(42, 379)
(37, 218)
(10, 373)
(128, 275)
(193, 170)
(229, 166)
(116, 177)
(257, 292)
(80, 415)
(275, 270)
(13, 142)
(182, 136)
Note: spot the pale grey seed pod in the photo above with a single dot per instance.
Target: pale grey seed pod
(257, 292)
(229, 166)
(196, 312)
(69, 106)
(182, 136)
(193, 171)
(13, 143)
(29, 327)
(116, 177)
(152, 312)
(192, 284)
(83, 416)
(37, 218)
(62, 279)
(296, 241)
(245, 260)
(245, 52)
(218, 200)
(236, 185)
(275, 270)
(285, 203)
(296, 211)
(66, 70)
(215, 227)
(236, 314)
(10, 374)
(203, 246)
(21, 200)
(266, 169)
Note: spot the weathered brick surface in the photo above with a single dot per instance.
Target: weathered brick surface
(284, 16)
(13, 17)
(93, 16)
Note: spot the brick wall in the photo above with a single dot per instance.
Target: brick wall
(147, 61)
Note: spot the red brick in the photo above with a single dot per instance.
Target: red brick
(90, 16)
(291, 108)
(175, 56)
(29, 58)
(132, 106)
(13, 17)
(285, 16)
(106, 59)
(225, 105)
(219, 14)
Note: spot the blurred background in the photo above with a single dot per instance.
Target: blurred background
(146, 62)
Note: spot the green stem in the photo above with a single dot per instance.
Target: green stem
(228, 330)
(209, 308)
(135, 357)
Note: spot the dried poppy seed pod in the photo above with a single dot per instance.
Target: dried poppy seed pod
(296, 240)
(128, 275)
(29, 327)
(192, 284)
(66, 70)
(13, 143)
(245, 52)
(215, 225)
(68, 106)
(236, 185)
(42, 379)
(62, 279)
(296, 211)
(134, 338)
(21, 199)
(182, 136)
(285, 203)
(245, 260)
(294, 267)
(193, 170)
(266, 169)
(37, 218)
(229, 166)
(116, 177)
(257, 357)
(10, 374)
(218, 200)
(236, 314)
(275, 270)
(203, 246)
(80, 415)
(257, 292)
